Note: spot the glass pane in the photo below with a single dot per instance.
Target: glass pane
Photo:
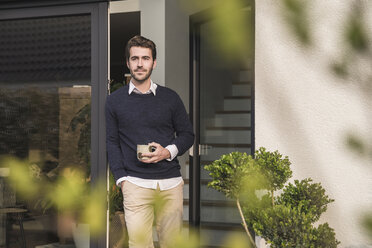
(45, 97)
(225, 126)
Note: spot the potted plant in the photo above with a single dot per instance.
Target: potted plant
(283, 220)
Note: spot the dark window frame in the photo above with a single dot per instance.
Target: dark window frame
(99, 73)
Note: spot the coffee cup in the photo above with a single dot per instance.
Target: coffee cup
(141, 149)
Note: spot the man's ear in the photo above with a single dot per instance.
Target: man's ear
(127, 64)
(154, 65)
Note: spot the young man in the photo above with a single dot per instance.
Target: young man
(146, 113)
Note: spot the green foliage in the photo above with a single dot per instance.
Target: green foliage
(82, 119)
(274, 167)
(20, 178)
(358, 145)
(288, 220)
(29, 114)
(231, 44)
(309, 196)
(355, 52)
(324, 236)
(356, 32)
(115, 86)
(236, 175)
(71, 193)
(237, 240)
(283, 226)
(290, 227)
(115, 196)
(367, 223)
(295, 13)
(340, 68)
(253, 208)
(229, 173)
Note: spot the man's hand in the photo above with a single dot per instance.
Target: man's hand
(158, 155)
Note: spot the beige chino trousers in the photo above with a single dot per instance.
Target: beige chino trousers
(142, 206)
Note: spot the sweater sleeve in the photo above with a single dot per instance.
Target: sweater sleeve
(114, 154)
(184, 131)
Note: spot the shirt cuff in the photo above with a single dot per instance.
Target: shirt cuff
(173, 150)
(118, 182)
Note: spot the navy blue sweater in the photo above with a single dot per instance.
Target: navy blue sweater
(140, 119)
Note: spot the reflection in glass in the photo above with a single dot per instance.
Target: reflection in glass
(45, 98)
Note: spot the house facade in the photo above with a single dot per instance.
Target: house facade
(60, 59)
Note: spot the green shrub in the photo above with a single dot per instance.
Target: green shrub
(289, 227)
(284, 221)
(275, 168)
(290, 222)
(310, 196)
(235, 175)
(230, 172)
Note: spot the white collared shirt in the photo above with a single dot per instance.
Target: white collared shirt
(152, 88)
(164, 184)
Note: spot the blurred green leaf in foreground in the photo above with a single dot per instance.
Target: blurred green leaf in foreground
(71, 194)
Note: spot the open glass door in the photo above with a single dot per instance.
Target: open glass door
(223, 118)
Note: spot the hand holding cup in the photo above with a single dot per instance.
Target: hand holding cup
(157, 154)
(144, 149)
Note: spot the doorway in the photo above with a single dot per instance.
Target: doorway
(124, 24)
(222, 104)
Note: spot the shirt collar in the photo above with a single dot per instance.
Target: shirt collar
(152, 89)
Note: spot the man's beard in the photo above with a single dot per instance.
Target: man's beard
(147, 75)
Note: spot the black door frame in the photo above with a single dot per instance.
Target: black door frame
(99, 73)
(195, 21)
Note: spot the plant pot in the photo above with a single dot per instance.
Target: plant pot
(81, 235)
(261, 243)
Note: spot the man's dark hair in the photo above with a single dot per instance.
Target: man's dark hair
(140, 41)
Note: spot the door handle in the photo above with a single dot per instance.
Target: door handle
(203, 149)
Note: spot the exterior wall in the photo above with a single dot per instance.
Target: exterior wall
(153, 27)
(303, 111)
(177, 50)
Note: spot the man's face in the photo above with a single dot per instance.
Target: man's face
(140, 63)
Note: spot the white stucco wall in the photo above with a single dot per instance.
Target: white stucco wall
(177, 50)
(153, 27)
(303, 111)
